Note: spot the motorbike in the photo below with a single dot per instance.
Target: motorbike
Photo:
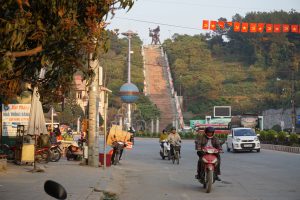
(165, 149)
(176, 155)
(209, 162)
(55, 152)
(42, 155)
(9, 151)
(55, 190)
(118, 147)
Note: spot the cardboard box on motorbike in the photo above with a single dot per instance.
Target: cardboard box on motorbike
(117, 134)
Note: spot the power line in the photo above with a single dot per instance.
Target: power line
(164, 24)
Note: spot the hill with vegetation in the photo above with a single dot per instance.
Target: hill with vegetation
(251, 72)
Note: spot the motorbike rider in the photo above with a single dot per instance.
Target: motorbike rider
(173, 138)
(163, 137)
(203, 140)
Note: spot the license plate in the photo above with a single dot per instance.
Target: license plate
(247, 145)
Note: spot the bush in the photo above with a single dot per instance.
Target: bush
(281, 137)
(270, 136)
(262, 136)
(293, 139)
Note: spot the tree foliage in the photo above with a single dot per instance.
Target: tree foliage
(53, 34)
(248, 71)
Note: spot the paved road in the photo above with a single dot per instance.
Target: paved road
(268, 175)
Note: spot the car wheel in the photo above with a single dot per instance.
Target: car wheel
(228, 149)
(258, 150)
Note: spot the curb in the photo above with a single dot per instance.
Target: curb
(281, 148)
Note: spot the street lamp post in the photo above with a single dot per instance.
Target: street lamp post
(129, 34)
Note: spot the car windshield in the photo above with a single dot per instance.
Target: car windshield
(244, 132)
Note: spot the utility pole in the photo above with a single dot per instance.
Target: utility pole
(293, 102)
(294, 67)
(93, 148)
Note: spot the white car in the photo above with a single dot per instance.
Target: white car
(242, 139)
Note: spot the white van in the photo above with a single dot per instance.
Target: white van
(242, 139)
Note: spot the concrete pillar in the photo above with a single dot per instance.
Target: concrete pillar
(152, 126)
(157, 125)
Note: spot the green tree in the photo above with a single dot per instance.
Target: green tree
(50, 34)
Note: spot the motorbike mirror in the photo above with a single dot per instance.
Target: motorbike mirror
(55, 190)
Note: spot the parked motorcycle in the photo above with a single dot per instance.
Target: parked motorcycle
(165, 149)
(7, 150)
(42, 155)
(209, 162)
(55, 152)
(118, 148)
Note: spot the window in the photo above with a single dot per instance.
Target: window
(244, 132)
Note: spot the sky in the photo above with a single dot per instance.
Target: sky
(185, 16)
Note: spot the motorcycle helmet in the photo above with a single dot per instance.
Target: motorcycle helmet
(209, 130)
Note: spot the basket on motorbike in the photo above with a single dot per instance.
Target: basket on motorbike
(177, 147)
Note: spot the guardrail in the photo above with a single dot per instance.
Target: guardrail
(281, 148)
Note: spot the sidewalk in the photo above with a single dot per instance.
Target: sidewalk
(81, 182)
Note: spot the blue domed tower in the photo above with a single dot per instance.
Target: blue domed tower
(129, 93)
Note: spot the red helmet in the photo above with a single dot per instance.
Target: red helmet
(209, 130)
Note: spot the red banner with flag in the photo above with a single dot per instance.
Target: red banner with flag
(294, 28)
(269, 28)
(285, 28)
(221, 24)
(277, 28)
(244, 27)
(229, 23)
(213, 25)
(253, 27)
(205, 24)
(260, 27)
(237, 26)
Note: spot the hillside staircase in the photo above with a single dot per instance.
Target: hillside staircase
(157, 85)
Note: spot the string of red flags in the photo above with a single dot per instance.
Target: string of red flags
(246, 27)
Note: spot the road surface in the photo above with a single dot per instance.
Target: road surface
(268, 175)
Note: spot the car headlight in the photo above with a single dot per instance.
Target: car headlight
(256, 139)
(238, 139)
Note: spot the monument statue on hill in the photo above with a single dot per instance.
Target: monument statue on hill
(154, 33)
